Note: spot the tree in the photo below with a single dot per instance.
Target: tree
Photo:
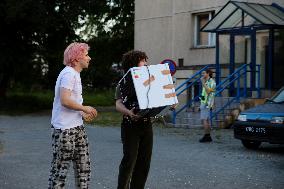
(34, 35)
(114, 37)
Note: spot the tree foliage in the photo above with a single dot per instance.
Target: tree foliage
(115, 36)
(34, 34)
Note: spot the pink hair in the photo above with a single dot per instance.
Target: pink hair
(74, 52)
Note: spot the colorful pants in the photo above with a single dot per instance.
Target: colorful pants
(70, 145)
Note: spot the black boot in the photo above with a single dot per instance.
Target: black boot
(206, 138)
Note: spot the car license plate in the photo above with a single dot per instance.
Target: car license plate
(255, 130)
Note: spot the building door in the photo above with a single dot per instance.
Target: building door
(278, 60)
(240, 54)
(271, 59)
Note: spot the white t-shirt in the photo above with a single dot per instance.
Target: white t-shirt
(65, 118)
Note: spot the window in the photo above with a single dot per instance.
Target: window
(203, 39)
(180, 62)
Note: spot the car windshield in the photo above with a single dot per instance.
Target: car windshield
(279, 97)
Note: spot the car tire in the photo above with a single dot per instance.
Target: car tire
(251, 144)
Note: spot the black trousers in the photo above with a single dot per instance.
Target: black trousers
(137, 139)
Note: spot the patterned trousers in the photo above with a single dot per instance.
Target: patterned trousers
(70, 145)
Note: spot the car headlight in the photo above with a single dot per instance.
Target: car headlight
(242, 118)
(278, 120)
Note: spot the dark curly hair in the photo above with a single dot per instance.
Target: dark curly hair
(132, 59)
(210, 72)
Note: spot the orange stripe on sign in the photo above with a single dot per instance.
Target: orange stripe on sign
(166, 72)
(169, 86)
(169, 95)
(148, 81)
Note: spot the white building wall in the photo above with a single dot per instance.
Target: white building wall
(165, 29)
(153, 28)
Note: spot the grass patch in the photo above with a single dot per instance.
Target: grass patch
(23, 102)
(108, 119)
(20, 102)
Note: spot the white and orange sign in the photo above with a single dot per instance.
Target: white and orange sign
(154, 86)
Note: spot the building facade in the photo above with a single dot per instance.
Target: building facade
(170, 29)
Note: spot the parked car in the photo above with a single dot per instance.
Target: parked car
(263, 123)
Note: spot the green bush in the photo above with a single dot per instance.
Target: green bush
(19, 102)
(99, 98)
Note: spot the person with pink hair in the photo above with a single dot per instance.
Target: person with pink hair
(69, 138)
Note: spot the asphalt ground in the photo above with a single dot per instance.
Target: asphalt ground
(179, 161)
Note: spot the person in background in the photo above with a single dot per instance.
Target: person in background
(207, 102)
(69, 138)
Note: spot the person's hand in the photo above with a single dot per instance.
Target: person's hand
(202, 79)
(90, 110)
(87, 117)
(173, 107)
(132, 115)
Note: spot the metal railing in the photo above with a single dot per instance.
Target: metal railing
(190, 82)
(241, 92)
(231, 80)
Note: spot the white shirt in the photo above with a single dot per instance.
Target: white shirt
(62, 117)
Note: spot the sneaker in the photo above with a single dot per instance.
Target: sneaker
(206, 138)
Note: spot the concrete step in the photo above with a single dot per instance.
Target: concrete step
(191, 117)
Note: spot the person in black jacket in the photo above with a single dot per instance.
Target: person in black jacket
(136, 132)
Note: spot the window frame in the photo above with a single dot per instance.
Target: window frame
(211, 36)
